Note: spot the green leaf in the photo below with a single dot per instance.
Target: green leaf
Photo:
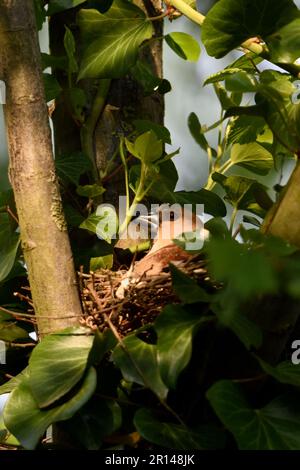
(174, 436)
(10, 332)
(142, 73)
(90, 190)
(236, 80)
(70, 47)
(212, 203)
(175, 328)
(52, 87)
(49, 60)
(253, 157)
(284, 44)
(147, 147)
(101, 262)
(245, 129)
(184, 45)
(241, 82)
(112, 39)
(103, 222)
(248, 271)
(244, 193)
(25, 420)
(230, 22)
(71, 166)
(96, 420)
(56, 6)
(58, 363)
(188, 291)
(78, 102)
(217, 227)
(281, 114)
(162, 133)
(73, 217)
(139, 364)
(9, 244)
(285, 372)
(40, 13)
(274, 427)
(196, 131)
(14, 382)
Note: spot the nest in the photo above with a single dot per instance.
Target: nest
(114, 299)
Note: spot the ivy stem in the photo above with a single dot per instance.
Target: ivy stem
(211, 183)
(232, 220)
(89, 127)
(123, 158)
(186, 10)
(139, 195)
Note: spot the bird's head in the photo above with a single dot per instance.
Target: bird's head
(168, 222)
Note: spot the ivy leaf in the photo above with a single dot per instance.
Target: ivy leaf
(9, 244)
(244, 193)
(175, 328)
(230, 22)
(25, 420)
(10, 332)
(174, 436)
(139, 364)
(112, 39)
(253, 157)
(162, 133)
(281, 114)
(14, 382)
(71, 166)
(142, 73)
(52, 87)
(97, 419)
(212, 203)
(147, 147)
(186, 288)
(196, 131)
(285, 372)
(70, 47)
(274, 427)
(55, 6)
(284, 44)
(58, 363)
(184, 45)
(103, 222)
(90, 190)
(242, 81)
(245, 129)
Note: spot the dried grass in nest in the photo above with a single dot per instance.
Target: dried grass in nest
(143, 300)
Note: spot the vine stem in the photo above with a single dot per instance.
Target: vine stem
(211, 183)
(88, 129)
(232, 220)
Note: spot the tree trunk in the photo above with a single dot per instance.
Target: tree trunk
(283, 220)
(43, 229)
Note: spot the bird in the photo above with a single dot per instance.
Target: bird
(167, 223)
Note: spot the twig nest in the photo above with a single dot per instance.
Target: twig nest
(131, 300)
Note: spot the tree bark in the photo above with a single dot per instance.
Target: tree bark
(43, 229)
(283, 220)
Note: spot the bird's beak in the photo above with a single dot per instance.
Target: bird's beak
(152, 220)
